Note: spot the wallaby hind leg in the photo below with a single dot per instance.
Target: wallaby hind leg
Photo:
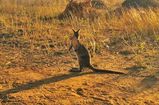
(75, 70)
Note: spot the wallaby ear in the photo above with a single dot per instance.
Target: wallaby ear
(73, 30)
(78, 30)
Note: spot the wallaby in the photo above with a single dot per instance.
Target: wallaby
(83, 55)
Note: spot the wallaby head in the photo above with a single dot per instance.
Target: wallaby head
(76, 33)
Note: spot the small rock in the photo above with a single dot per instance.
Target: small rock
(80, 91)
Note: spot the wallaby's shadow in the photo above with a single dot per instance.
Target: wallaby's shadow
(38, 83)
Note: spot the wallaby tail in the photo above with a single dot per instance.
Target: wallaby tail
(104, 71)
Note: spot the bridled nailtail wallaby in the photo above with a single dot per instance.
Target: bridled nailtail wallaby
(83, 55)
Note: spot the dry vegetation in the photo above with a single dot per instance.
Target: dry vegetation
(34, 57)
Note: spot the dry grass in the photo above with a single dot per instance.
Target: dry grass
(34, 22)
(34, 28)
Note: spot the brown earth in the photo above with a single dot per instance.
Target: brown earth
(57, 86)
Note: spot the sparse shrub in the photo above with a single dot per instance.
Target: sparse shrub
(141, 3)
(86, 9)
(99, 4)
